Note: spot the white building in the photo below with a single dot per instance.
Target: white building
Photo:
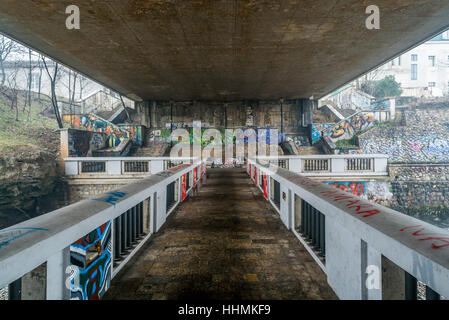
(422, 71)
(89, 95)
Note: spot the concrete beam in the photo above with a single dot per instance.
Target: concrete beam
(222, 50)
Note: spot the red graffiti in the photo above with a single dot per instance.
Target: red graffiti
(354, 188)
(433, 236)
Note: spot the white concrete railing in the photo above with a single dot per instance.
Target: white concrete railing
(85, 166)
(123, 220)
(334, 165)
(355, 241)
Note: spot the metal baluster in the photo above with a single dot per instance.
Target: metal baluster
(141, 218)
(134, 224)
(15, 290)
(124, 223)
(302, 217)
(431, 295)
(130, 229)
(322, 234)
(117, 238)
(411, 287)
(317, 229)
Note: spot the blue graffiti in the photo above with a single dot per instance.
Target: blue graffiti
(17, 236)
(113, 197)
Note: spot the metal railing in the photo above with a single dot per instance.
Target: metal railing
(354, 240)
(81, 247)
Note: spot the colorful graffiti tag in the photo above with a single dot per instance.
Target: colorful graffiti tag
(347, 128)
(376, 191)
(92, 255)
(83, 143)
(114, 134)
(317, 130)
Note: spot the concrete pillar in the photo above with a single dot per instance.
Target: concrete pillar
(393, 281)
(34, 284)
(57, 276)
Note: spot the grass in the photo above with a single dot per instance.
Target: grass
(23, 134)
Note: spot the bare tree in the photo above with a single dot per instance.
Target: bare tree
(53, 81)
(7, 46)
(12, 90)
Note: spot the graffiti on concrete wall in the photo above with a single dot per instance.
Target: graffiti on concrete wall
(136, 133)
(83, 143)
(317, 130)
(348, 151)
(115, 135)
(382, 105)
(92, 254)
(376, 191)
(347, 128)
(411, 149)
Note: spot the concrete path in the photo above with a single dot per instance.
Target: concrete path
(225, 243)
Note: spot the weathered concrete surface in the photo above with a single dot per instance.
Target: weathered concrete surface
(222, 49)
(225, 243)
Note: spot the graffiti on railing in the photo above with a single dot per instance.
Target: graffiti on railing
(91, 254)
(111, 197)
(429, 236)
(8, 236)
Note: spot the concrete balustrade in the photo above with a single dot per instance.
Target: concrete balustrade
(335, 165)
(371, 252)
(131, 213)
(119, 165)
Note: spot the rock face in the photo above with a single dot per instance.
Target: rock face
(25, 177)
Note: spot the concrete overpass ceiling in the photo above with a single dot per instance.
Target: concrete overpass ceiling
(222, 49)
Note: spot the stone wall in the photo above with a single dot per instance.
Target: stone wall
(421, 191)
(424, 137)
(78, 192)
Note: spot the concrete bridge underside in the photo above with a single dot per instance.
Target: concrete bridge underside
(224, 49)
(225, 243)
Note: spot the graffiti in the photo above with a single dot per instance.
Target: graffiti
(111, 197)
(345, 129)
(114, 134)
(377, 191)
(317, 130)
(356, 188)
(255, 176)
(441, 237)
(92, 255)
(183, 187)
(265, 185)
(135, 133)
(425, 148)
(348, 151)
(9, 235)
(382, 105)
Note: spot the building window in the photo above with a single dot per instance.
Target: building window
(414, 57)
(399, 60)
(392, 62)
(432, 84)
(414, 72)
(35, 81)
(432, 61)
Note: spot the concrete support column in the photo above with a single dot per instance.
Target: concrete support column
(56, 275)
(295, 165)
(114, 167)
(337, 165)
